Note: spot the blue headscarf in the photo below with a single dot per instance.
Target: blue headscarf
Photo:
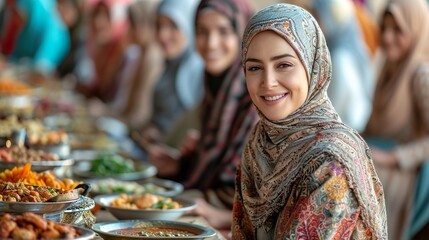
(44, 39)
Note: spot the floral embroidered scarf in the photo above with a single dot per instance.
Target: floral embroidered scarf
(280, 153)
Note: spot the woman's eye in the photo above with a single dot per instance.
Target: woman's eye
(201, 31)
(284, 65)
(253, 68)
(225, 31)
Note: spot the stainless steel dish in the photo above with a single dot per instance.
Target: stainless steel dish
(112, 126)
(84, 233)
(38, 166)
(82, 170)
(15, 138)
(84, 154)
(79, 213)
(34, 207)
(61, 149)
(172, 188)
(150, 214)
(156, 186)
(105, 229)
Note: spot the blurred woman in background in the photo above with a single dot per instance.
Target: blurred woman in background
(72, 14)
(207, 164)
(352, 73)
(106, 44)
(137, 92)
(180, 87)
(398, 128)
(43, 40)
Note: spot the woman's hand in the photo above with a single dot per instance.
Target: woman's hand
(384, 158)
(220, 219)
(165, 159)
(190, 143)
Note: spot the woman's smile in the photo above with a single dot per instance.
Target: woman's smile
(272, 99)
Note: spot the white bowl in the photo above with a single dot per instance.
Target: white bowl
(148, 214)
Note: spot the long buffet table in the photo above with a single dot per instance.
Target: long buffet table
(52, 99)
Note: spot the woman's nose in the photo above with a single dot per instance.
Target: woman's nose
(269, 79)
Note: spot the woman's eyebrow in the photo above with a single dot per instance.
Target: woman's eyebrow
(272, 59)
(281, 56)
(252, 60)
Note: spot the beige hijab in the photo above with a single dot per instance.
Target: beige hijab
(138, 107)
(394, 107)
(281, 153)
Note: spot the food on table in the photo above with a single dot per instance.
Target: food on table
(153, 232)
(25, 175)
(94, 141)
(10, 125)
(32, 226)
(144, 201)
(37, 133)
(108, 164)
(47, 137)
(114, 186)
(71, 123)
(20, 192)
(13, 87)
(24, 155)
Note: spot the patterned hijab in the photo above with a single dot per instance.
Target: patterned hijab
(394, 86)
(280, 153)
(227, 113)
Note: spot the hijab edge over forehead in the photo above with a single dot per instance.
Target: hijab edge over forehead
(297, 34)
(288, 41)
(238, 12)
(181, 13)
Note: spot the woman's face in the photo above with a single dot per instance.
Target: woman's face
(172, 40)
(101, 24)
(394, 41)
(69, 13)
(275, 77)
(140, 34)
(216, 41)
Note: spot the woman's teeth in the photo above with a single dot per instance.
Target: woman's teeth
(273, 98)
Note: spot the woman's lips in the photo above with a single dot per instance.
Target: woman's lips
(274, 99)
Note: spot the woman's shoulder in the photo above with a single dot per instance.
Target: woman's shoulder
(421, 71)
(421, 76)
(342, 144)
(339, 135)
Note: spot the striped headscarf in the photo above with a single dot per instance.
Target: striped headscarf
(279, 153)
(227, 113)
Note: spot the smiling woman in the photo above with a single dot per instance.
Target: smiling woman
(304, 174)
(216, 41)
(227, 113)
(275, 76)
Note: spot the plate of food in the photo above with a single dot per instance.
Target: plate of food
(33, 226)
(23, 174)
(39, 159)
(152, 229)
(144, 206)
(157, 186)
(115, 166)
(21, 198)
(93, 141)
